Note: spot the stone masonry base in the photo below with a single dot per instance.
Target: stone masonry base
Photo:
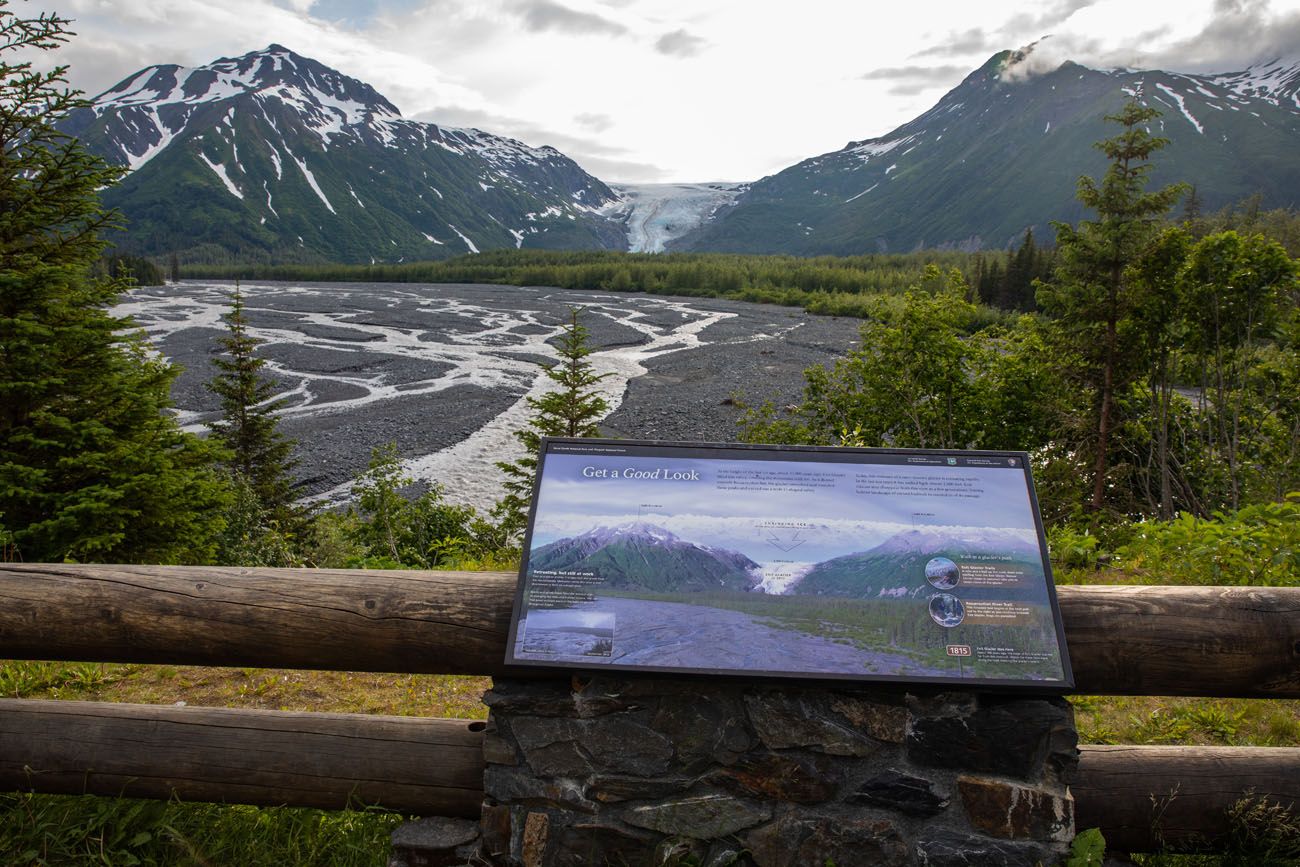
(636, 771)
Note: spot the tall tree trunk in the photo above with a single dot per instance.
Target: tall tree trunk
(1107, 392)
(1162, 445)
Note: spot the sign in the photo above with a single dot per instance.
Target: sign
(788, 561)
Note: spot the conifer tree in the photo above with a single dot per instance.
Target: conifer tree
(571, 411)
(1092, 298)
(259, 455)
(91, 464)
(1193, 216)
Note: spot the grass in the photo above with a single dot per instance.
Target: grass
(265, 688)
(1187, 721)
(77, 830)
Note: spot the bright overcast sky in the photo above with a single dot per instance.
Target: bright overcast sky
(671, 90)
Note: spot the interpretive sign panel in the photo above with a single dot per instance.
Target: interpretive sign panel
(786, 561)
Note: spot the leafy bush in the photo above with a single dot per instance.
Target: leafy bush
(388, 530)
(1072, 548)
(1257, 545)
(1088, 849)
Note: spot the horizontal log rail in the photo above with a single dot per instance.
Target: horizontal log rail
(428, 766)
(1146, 797)
(265, 757)
(1199, 641)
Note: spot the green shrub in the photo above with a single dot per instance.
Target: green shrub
(1257, 545)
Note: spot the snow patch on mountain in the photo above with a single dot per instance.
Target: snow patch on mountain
(875, 147)
(1276, 81)
(311, 181)
(468, 242)
(1182, 107)
(861, 194)
(220, 171)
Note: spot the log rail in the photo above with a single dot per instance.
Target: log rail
(1142, 797)
(1192, 641)
(1226, 642)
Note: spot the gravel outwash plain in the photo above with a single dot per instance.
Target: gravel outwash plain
(443, 370)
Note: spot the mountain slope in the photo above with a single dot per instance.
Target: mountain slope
(896, 567)
(1002, 152)
(274, 155)
(641, 556)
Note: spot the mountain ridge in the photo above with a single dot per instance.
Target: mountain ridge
(1001, 153)
(644, 556)
(896, 566)
(272, 156)
(213, 148)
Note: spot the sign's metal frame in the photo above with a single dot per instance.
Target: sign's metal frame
(782, 452)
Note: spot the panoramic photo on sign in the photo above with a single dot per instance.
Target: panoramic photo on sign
(862, 564)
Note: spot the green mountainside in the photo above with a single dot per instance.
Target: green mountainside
(896, 567)
(1002, 152)
(645, 557)
(274, 157)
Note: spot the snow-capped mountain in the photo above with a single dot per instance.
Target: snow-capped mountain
(276, 155)
(1275, 81)
(1010, 544)
(644, 556)
(1002, 152)
(896, 567)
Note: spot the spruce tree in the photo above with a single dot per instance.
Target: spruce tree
(91, 464)
(571, 411)
(1092, 298)
(259, 455)
(1193, 216)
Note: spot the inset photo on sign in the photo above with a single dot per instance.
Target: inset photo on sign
(947, 610)
(567, 632)
(802, 562)
(942, 573)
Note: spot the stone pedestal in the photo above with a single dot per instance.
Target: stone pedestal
(636, 771)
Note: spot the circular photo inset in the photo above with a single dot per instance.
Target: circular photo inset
(946, 610)
(942, 573)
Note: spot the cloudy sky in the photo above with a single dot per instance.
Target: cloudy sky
(840, 520)
(671, 90)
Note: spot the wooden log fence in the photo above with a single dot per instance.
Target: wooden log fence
(1195, 641)
(1142, 797)
(265, 757)
(1241, 642)
(1146, 797)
